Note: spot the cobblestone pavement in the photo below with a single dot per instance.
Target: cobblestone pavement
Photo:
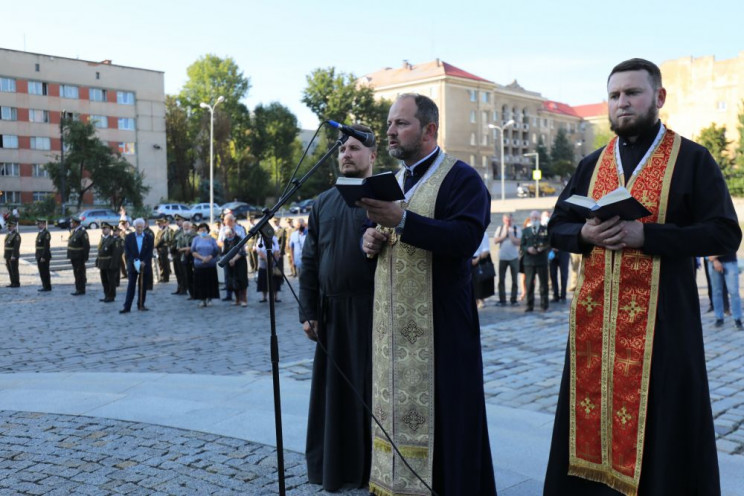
(55, 332)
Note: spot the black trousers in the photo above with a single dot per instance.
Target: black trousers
(561, 261)
(109, 281)
(78, 270)
(46, 279)
(513, 266)
(180, 276)
(542, 274)
(163, 264)
(137, 284)
(12, 266)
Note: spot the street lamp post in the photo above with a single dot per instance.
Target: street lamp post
(211, 154)
(537, 169)
(501, 134)
(62, 159)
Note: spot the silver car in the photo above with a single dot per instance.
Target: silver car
(92, 218)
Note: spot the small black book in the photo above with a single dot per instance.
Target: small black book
(383, 186)
(617, 202)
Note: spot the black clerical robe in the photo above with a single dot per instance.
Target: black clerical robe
(462, 453)
(336, 289)
(679, 451)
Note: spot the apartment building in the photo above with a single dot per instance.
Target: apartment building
(473, 111)
(126, 105)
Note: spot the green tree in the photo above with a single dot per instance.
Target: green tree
(90, 165)
(180, 151)
(562, 154)
(544, 155)
(714, 139)
(272, 141)
(338, 96)
(602, 137)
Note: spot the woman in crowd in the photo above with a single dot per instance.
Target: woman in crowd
(483, 272)
(237, 268)
(204, 249)
(262, 284)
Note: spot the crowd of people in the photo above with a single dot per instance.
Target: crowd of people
(390, 290)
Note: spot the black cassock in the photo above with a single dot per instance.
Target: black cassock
(679, 452)
(337, 290)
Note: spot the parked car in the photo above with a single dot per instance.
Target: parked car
(242, 210)
(200, 211)
(302, 207)
(92, 218)
(169, 210)
(529, 190)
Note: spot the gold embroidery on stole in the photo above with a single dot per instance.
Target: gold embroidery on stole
(609, 397)
(403, 357)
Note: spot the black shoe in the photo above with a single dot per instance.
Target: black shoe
(102, 300)
(43, 290)
(555, 300)
(514, 303)
(226, 298)
(177, 292)
(124, 310)
(710, 309)
(77, 293)
(737, 323)
(501, 304)
(108, 300)
(719, 322)
(13, 286)
(143, 309)
(529, 309)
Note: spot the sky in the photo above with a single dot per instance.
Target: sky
(563, 50)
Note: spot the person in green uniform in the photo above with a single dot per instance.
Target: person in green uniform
(162, 246)
(12, 252)
(43, 254)
(108, 262)
(78, 249)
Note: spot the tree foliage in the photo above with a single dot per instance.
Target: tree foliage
(338, 96)
(180, 151)
(542, 152)
(90, 165)
(714, 139)
(562, 154)
(272, 141)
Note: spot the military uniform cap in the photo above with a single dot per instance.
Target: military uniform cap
(106, 224)
(177, 217)
(39, 221)
(161, 220)
(13, 221)
(122, 222)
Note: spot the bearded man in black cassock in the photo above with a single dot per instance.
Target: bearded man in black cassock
(336, 291)
(634, 413)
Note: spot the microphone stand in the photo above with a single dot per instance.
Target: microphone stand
(267, 233)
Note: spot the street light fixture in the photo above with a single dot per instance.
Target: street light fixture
(501, 132)
(537, 172)
(211, 108)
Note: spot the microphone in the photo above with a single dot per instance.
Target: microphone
(367, 139)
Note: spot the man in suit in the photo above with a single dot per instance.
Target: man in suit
(43, 254)
(78, 249)
(108, 262)
(138, 248)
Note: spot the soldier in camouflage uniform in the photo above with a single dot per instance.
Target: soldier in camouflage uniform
(118, 252)
(176, 255)
(12, 252)
(43, 254)
(78, 249)
(108, 262)
(187, 259)
(163, 240)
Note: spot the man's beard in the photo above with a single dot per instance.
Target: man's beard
(642, 125)
(354, 172)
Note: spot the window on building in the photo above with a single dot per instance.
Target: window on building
(38, 170)
(484, 141)
(485, 96)
(10, 197)
(98, 95)
(472, 159)
(7, 85)
(10, 169)
(472, 139)
(126, 148)
(9, 141)
(98, 121)
(68, 91)
(98, 75)
(721, 106)
(37, 67)
(484, 162)
(8, 113)
(125, 97)
(41, 195)
(37, 88)
(126, 123)
(473, 95)
(472, 116)
(484, 118)
(36, 115)
(40, 143)
(495, 116)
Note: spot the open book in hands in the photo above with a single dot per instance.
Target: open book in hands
(383, 186)
(617, 202)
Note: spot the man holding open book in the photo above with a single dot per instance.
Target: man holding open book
(634, 411)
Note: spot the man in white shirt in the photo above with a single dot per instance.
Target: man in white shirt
(508, 236)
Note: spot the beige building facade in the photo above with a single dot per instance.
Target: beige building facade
(473, 111)
(702, 91)
(126, 104)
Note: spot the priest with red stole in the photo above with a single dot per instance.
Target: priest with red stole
(634, 413)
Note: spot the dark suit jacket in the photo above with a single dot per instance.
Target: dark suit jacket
(132, 253)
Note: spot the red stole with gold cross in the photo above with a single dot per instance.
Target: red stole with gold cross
(611, 327)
